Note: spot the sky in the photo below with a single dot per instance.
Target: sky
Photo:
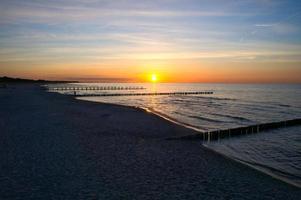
(228, 41)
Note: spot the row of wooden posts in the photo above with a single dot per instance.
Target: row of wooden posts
(95, 88)
(141, 94)
(246, 130)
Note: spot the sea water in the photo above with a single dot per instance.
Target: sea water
(276, 152)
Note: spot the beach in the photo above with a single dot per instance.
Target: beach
(56, 147)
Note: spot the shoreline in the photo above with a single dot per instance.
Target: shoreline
(198, 131)
(259, 169)
(150, 111)
(62, 147)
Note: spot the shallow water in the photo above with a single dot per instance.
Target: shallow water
(275, 152)
(231, 105)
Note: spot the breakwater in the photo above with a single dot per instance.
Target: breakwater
(83, 88)
(141, 94)
(239, 131)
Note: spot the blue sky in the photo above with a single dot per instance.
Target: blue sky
(48, 35)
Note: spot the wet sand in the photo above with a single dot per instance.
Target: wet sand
(56, 147)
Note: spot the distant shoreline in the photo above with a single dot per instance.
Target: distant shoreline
(6, 80)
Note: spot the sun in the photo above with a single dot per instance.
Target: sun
(154, 78)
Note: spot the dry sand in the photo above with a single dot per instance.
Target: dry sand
(56, 147)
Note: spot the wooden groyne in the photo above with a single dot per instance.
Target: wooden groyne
(141, 94)
(83, 88)
(239, 131)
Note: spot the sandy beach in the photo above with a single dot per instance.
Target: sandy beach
(56, 147)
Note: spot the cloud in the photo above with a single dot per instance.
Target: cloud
(285, 28)
(264, 25)
(98, 54)
(100, 30)
(279, 28)
(282, 26)
(70, 12)
(39, 15)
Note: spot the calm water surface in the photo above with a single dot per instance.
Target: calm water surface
(276, 152)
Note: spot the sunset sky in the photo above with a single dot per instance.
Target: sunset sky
(128, 40)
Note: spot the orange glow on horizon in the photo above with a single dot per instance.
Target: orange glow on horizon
(164, 71)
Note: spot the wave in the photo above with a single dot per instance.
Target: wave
(272, 169)
(207, 119)
(233, 117)
(173, 120)
(275, 173)
(284, 105)
(216, 98)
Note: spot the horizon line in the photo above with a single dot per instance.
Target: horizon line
(98, 80)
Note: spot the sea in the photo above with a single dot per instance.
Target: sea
(275, 152)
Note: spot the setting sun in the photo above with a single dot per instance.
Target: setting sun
(154, 78)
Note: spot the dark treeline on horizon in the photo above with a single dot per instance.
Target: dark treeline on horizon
(6, 79)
